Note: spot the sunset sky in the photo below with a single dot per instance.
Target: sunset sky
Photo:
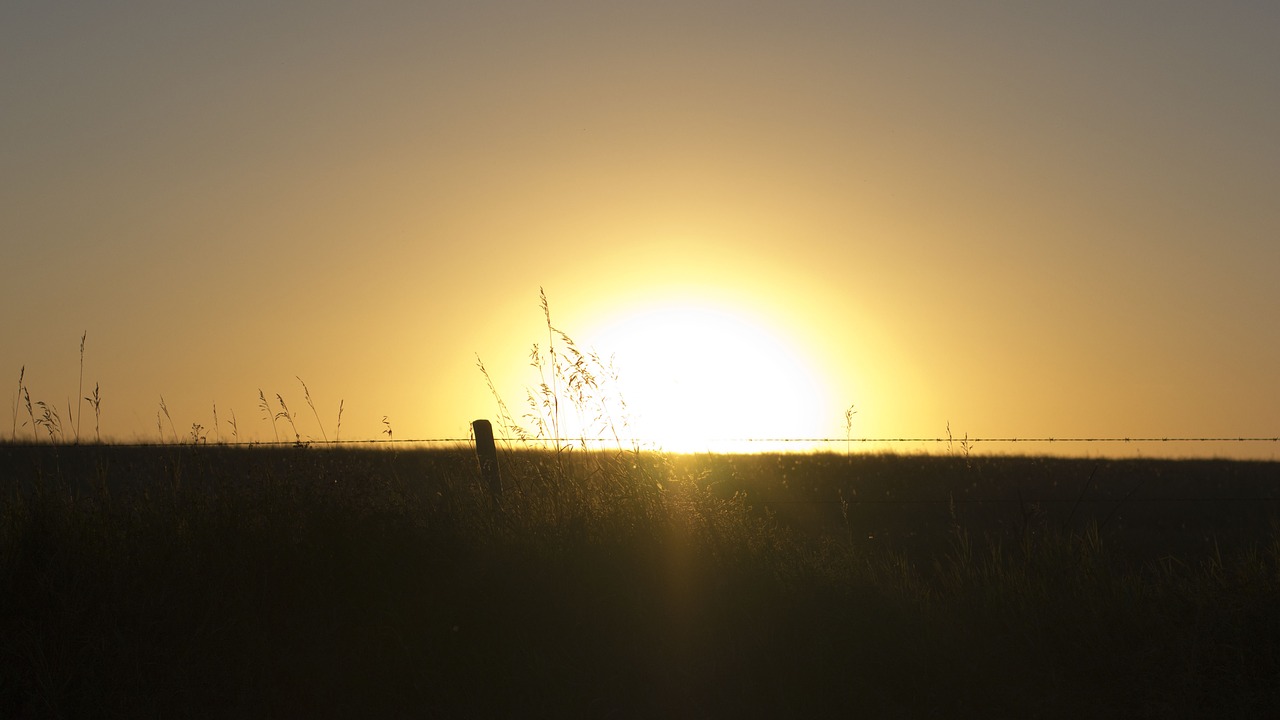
(1019, 219)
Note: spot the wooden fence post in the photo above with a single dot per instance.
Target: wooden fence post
(487, 454)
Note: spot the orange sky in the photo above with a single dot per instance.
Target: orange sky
(1018, 219)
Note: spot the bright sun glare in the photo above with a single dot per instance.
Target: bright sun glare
(699, 377)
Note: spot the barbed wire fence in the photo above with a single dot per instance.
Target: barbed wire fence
(651, 443)
(838, 444)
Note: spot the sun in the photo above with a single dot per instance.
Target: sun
(699, 376)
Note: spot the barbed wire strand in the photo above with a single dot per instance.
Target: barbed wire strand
(646, 443)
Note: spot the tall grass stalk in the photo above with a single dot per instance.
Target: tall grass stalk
(268, 414)
(505, 419)
(848, 429)
(553, 401)
(50, 421)
(307, 394)
(95, 401)
(337, 433)
(172, 429)
(575, 404)
(568, 379)
(26, 395)
(80, 389)
(286, 415)
(16, 398)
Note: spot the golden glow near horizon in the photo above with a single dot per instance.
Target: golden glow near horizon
(699, 377)
(1044, 220)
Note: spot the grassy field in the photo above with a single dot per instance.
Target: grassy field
(208, 581)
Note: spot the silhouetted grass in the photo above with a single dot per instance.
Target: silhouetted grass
(196, 580)
(264, 582)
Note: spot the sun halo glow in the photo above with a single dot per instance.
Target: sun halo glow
(697, 377)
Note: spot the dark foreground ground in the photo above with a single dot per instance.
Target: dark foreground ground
(291, 582)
